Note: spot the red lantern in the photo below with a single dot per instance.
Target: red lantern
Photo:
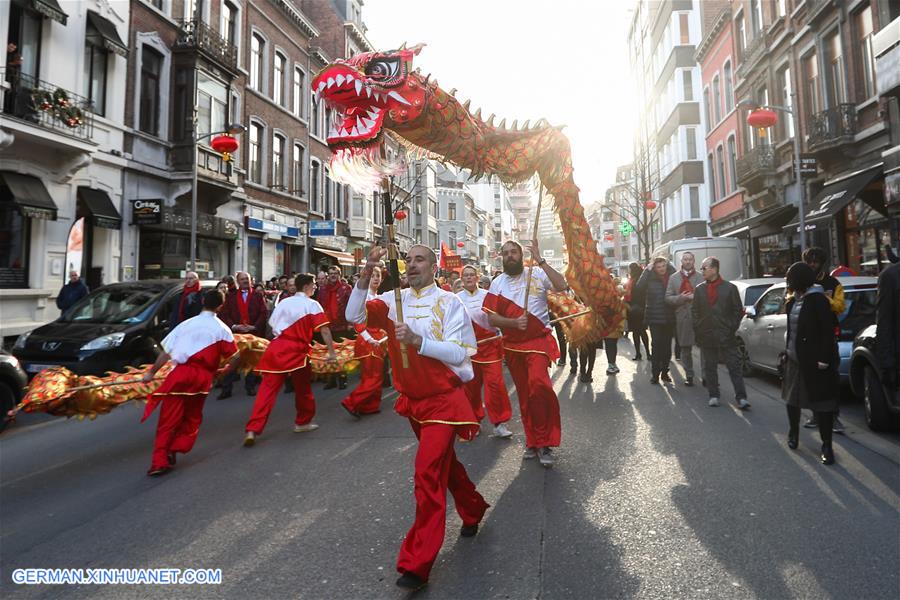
(460, 244)
(650, 204)
(762, 118)
(609, 237)
(225, 144)
(400, 215)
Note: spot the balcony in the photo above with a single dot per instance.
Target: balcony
(48, 106)
(754, 166)
(197, 35)
(833, 127)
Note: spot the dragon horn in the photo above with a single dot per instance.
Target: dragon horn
(503, 124)
(402, 46)
(453, 92)
(491, 120)
(525, 126)
(515, 125)
(466, 105)
(478, 115)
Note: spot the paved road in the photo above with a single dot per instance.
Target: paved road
(655, 496)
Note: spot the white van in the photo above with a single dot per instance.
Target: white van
(728, 250)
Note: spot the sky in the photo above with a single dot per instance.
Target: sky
(563, 60)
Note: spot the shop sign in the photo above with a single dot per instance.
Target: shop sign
(146, 212)
(334, 242)
(808, 166)
(321, 228)
(892, 190)
(272, 227)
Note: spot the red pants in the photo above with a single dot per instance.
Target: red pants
(537, 400)
(437, 470)
(366, 398)
(176, 431)
(496, 399)
(268, 392)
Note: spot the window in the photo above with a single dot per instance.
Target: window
(717, 100)
(835, 69)
(720, 167)
(706, 108)
(770, 303)
(433, 208)
(278, 143)
(756, 19)
(157, 3)
(787, 123)
(315, 119)
(95, 61)
(299, 77)
(257, 53)
(712, 177)
(14, 244)
(451, 211)
(732, 158)
(687, 86)
(729, 88)
(151, 65)
(683, 28)
(451, 239)
(866, 66)
(314, 190)
(691, 134)
(229, 23)
(695, 201)
(255, 167)
(811, 77)
(741, 36)
(780, 8)
(278, 78)
(329, 209)
(212, 104)
(297, 177)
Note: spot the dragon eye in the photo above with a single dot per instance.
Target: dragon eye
(385, 68)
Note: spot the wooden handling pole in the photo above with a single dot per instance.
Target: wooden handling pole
(393, 257)
(537, 217)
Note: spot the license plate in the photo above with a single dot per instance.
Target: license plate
(35, 367)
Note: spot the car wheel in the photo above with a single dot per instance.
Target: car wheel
(878, 417)
(746, 368)
(7, 402)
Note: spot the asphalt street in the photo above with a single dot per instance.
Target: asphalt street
(655, 495)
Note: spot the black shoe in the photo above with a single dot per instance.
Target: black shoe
(665, 377)
(827, 455)
(654, 379)
(159, 471)
(411, 582)
(353, 413)
(573, 372)
(689, 381)
(638, 357)
(703, 382)
(561, 362)
(331, 383)
(468, 530)
(251, 391)
(792, 441)
(342, 382)
(224, 394)
(585, 378)
(171, 457)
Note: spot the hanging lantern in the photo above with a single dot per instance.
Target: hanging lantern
(460, 244)
(400, 215)
(762, 119)
(650, 204)
(225, 144)
(609, 237)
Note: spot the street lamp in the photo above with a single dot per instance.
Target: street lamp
(233, 129)
(796, 117)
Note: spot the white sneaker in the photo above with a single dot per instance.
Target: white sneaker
(713, 401)
(546, 457)
(530, 453)
(307, 427)
(743, 404)
(502, 431)
(249, 439)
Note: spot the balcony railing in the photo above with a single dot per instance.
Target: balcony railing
(833, 126)
(757, 162)
(200, 36)
(47, 105)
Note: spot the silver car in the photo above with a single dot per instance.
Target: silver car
(761, 335)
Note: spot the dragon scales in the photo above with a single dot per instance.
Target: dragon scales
(375, 92)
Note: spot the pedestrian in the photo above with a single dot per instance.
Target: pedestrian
(197, 346)
(562, 342)
(333, 297)
(70, 293)
(189, 303)
(522, 315)
(369, 349)
(488, 362)
(717, 312)
(658, 316)
(811, 377)
(485, 282)
(680, 295)
(817, 259)
(293, 323)
(437, 339)
(222, 286)
(245, 311)
(231, 283)
(287, 292)
(635, 300)
(887, 328)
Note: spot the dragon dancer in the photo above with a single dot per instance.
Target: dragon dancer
(368, 348)
(197, 346)
(524, 319)
(437, 341)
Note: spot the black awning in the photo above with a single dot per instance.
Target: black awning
(103, 213)
(50, 9)
(102, 32)
(29, 193)
(832, 199)
(765, 223)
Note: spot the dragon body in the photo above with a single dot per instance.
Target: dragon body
(374, 93)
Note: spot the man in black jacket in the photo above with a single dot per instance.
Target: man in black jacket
(71, 292)
(717, 312)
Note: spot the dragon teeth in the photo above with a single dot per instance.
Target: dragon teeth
(369, 123)
(330, 82)
(377, 97)
(398, 98)
(321, 86)
(369, 92)
(358, 85)
(339, 80)
(354, 132)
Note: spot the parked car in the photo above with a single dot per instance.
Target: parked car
(751, 289)
(12, 384)
(761, 335)
(115, 325)
(882, 406)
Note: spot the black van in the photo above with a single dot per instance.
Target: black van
(115, 325)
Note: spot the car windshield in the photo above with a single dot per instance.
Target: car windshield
(753, 293)
(859, 311)
(114, 305)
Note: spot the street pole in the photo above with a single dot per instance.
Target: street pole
(194, 145)
(795, 113)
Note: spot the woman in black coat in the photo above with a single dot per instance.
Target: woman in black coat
(811, 367)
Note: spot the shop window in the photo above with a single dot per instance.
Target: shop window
(14, 244)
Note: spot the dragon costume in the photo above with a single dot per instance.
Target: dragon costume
(378, 93)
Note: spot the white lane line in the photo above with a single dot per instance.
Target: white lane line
(34, 473)
(351, 448)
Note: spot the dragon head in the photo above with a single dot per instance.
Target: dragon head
(368, 93)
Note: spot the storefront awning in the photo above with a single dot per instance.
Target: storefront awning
(832, 198)
(104, 34)
(344, 259)
(764, 223)
(98, 204)
(30, 194)
(50, 9)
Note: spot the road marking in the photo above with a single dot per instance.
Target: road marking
(33, 473)
(352, 447)
(17, 430)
